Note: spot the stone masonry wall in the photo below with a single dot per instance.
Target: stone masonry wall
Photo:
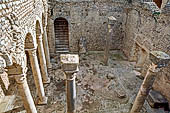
(88, 18)
(152, 32)
(17, 19)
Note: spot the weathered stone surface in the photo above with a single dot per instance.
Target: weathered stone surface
(89, 19)
(4, 78)
(150, 30)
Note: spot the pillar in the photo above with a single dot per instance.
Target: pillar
(144, 89)
(70, 64)
(70, 92)
(158, 60)
(42, 59)
(46, 49)
(37, 76)
(111, 21)
(25, 93)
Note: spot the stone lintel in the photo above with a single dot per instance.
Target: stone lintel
(159, 58)
(69, 62)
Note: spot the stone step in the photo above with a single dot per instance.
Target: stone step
(7, 103)
(61, 42)
(64, 51)
(62, 46)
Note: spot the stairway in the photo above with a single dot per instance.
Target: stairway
(61, 35)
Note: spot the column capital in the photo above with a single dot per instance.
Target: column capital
(20, 79)
(159, 58)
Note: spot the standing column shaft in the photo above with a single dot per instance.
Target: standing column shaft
(144, 90)
(46, 49)
(37, 76)
(43, 65)
(24, 91)
(71, 92)
(107, 47)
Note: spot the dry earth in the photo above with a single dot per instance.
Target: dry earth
(100, 88)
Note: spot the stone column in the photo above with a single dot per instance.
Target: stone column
(46, 48)
(25, 93)
(70, 67)
(159, 59)
(111, 21)
(37, 76)
(42, 59)
(52, 28)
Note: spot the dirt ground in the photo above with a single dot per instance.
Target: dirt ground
(100, 88)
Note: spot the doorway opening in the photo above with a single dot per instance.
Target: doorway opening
(61, 35)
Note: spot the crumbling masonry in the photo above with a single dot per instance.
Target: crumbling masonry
(28, 27)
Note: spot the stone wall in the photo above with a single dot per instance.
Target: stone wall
(150, 31)
(17, 19)
(88, 18)
(17, 22)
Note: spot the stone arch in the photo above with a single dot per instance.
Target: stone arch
(61, 30)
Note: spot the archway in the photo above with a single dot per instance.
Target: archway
(158, 3)
(61, 35)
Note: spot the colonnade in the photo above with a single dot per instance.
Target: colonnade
(39, 70)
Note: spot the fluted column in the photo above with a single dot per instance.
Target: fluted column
(37, 76)
(42, 59)
(24, 91)
(46, 49)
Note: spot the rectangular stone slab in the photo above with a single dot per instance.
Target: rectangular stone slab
(69, 62)
(69, 58)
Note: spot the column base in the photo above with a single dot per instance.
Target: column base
(44, 102)
(47, 81)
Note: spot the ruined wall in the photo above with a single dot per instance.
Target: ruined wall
(150, 31)
(88, 18)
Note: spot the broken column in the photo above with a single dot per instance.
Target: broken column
(37, 76)
(111, 21)
(43, 65)
(158, 60)
(19, 74)
(70, 67)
